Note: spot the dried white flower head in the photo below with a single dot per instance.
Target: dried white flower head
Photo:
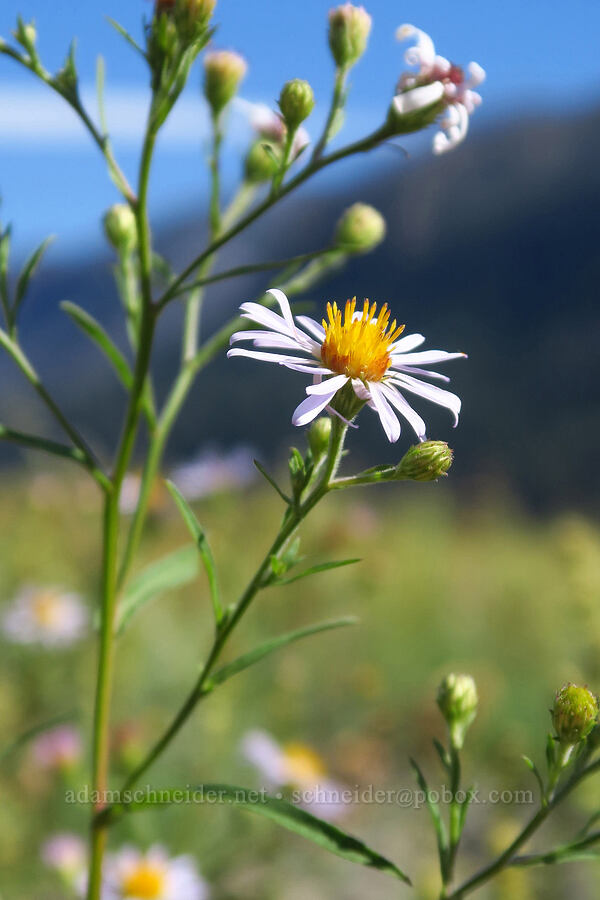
(438, 79)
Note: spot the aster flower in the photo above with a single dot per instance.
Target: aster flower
(436, 79)
(152, 875)
(58, 749)
(66, 853)
(46, 616)
(298, 767)
(357, 350)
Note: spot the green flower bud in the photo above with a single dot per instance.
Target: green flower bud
(349, 29)
(120, 227)
(457, 700)
(360, 229)
(296, 102)
(425, 462)
(262, 161)
(318, 436)
(574, 713)
(223, 72)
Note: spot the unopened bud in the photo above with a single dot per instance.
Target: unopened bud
(425, 462)
(318, 436)
(223, 72)
(360, 229)
(296, 102)
(574, 713)
(120, 227)
(349, 29)
(457, 700)
(262, 161)
(191, 17)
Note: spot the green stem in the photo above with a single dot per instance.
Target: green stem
(101, 140)
(337, 102)
(506, 858)
(257, 267)
(101, 735)
(292, 520)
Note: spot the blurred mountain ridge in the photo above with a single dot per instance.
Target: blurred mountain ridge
(492, 249)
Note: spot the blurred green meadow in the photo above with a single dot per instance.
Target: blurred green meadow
(443, 585)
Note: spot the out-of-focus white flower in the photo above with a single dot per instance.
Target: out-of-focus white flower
(46, 616)
(437, 78)
(58, 749)
(268, 124)
(298, 767)
(212, 472)
(154, 875)
(67, 854)
(357, 348)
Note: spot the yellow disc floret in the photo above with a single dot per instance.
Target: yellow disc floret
(302, 763)
(147, 880)
(358, 344)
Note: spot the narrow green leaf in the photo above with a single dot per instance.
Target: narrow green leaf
(531, 765)
(4, 258)
(464, 808)
(94, 330)
(33, 732)
(572, 852)
(272, 482)
(443, 755)
(436, 816)
(325, 835)
(124, 33)
(314, 570)
(259, 653)
(595, 817)
(202, 546)
(166, 574)
(27, 272)
(550, 751)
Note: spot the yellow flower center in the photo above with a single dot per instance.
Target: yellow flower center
(46, 608)
(359, 345)
(147, 880)
(303, 764)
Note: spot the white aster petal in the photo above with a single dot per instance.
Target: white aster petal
(424, 356)
(423, 53)
(429, 392)
(306, 367)
(386, 414)
(414, 370)
(406, 410)
(310, 408)
(476, 74)
(331, 386)
(408, 342)
(418, 98)
(284, 305)
(266, 317)
(312, 326)
(264, 357)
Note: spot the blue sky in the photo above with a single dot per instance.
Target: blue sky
(540, 56)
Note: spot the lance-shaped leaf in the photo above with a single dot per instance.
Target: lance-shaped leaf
(202, 546)
(165, 574)
(531, 765)
(94, 330)
(272, 482)
(303, 823)
(27, 273)
(314, 570)
(258, 653)
(584, 849)
(436, 816)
